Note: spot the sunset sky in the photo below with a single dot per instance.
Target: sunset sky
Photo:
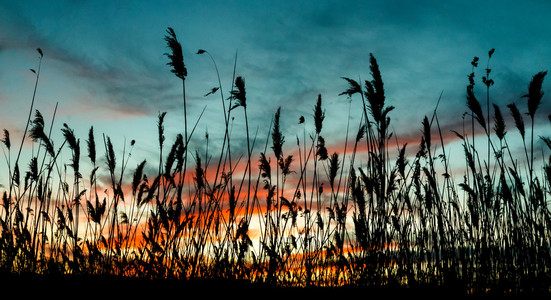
(104, 62)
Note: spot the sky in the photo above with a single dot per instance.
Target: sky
(104, 63)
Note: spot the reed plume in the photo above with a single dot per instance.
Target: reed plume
(499, 123)
(371, 221)
(239, 94)
(176, 56)
(176, 61)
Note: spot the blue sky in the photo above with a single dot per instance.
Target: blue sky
(104, 64)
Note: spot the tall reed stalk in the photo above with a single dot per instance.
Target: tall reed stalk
(371, 215)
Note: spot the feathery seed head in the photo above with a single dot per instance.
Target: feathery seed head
(499, 123)
(519, 122)
(426, 132)
(321, 150)
(239, 94)
(535, 93)
(91, 145)
(138, 175)
(6, 139)
(474, 106)
(110, 156)
(333, 168)
(212, 91)
(353, 87)
(176, 56)
(474, 62)
(74, 144)
(319, 115)
(277, 138)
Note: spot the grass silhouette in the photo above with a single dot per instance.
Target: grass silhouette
(320, 219)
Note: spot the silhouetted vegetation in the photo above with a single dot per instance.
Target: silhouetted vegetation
(376, 218)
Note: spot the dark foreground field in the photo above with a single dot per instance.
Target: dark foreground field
(66, 286)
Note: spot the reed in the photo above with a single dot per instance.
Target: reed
(386, 217)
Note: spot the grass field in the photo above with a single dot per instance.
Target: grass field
(289, 214)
